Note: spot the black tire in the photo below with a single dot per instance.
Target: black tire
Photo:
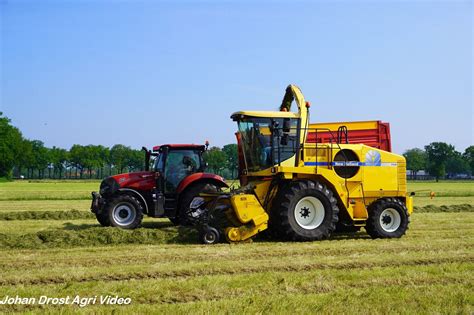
(284, 219)
(103, 218)
(209, 236)
(174, 220)
(342, 228)
(383, 216)
(124, 211)
(187, 196)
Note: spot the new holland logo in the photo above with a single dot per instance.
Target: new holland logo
(373, 158)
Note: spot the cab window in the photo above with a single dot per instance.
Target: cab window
(180, 164)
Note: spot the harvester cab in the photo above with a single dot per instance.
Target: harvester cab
(302, 191)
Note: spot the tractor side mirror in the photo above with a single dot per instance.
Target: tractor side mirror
(147, 158)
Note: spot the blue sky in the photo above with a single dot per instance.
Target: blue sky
(151, 72)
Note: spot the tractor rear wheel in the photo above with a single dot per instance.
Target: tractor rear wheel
(187, 197)
(388, 218)
(305, 211)
(103, 218)
(124, 211)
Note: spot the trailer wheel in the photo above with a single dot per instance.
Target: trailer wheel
(388, 218)
(103, 218)
(124, 211)
(209, 236)
(305, 211)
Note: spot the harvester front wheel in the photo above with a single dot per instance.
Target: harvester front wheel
(388, 218)
(305, 211)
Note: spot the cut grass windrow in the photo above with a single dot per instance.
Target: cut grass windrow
(46, 215)
(94, 236)
(453, 208)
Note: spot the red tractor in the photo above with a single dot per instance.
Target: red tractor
(166, 190)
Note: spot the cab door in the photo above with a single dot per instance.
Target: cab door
(179, 165)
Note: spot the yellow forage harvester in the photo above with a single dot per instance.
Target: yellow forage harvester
(304, 191)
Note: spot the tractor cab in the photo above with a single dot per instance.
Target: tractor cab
(176, 162)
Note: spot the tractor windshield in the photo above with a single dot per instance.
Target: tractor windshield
(265, 142)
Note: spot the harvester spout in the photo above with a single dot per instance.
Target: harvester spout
(293, 93)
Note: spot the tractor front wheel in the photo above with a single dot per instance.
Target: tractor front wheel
(103, 218)
(388, 218)
(124, 211)
(305, 211)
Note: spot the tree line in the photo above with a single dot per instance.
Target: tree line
(440, 160)
(21, 157)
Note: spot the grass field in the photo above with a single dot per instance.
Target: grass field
(51, 245)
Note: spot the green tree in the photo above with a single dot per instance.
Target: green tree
(10, 143)
(215, 159)
(58, 158)
(92, 158)
(468, 156)
(438, 154)
(135, 160)
(119, 155)
(40, 157)
(232, 156)
(456, 164)
(416, 160)
(76, 156)
(25, 158)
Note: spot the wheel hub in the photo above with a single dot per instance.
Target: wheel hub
(390, 220)
(305, 212)
(124, 214)
(386, 219)
(309, 213)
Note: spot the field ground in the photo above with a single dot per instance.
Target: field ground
(51, 245)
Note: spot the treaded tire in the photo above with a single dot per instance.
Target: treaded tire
(374, 227)
(103, 218)
(129, 203)
(209, 236)
(187, 196)
(283, 216)
(174, 220)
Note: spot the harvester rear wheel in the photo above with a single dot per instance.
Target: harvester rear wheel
(305, 211)
(388, 218)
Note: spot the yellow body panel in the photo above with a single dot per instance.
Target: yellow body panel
(380, 174)
(251, 214)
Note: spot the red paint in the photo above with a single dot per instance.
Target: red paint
(378, 137)
(197, 177)
(180, 146)
(136, 180)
